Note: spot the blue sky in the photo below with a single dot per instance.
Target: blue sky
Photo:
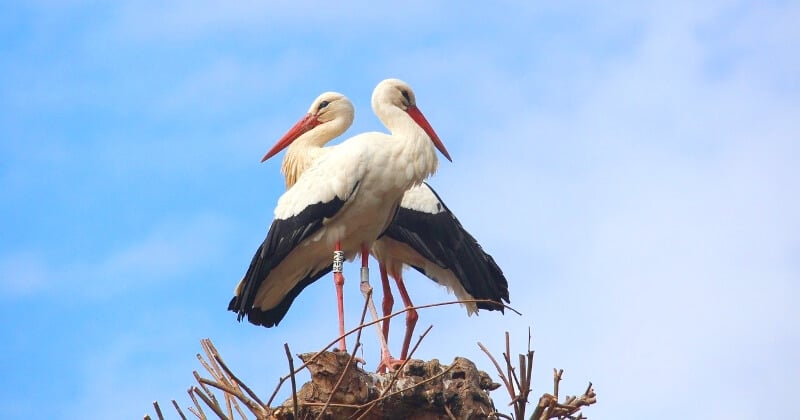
(633, 169)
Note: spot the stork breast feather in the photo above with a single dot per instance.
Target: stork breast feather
(422, 198)
(319, 184)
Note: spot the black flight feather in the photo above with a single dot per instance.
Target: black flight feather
(441, 239)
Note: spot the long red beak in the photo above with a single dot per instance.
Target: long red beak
(417, 116)
(304, 125)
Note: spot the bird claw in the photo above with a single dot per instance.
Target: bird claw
(389, 363)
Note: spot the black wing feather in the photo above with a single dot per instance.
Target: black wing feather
(284, 235)
(441, 239)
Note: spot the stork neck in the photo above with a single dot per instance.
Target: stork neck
(307, 148)
(415, 143)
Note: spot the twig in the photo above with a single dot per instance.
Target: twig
(509, 369)
(549, 407)
(352, 357)
(255, 408)
(305, 364)
(213, 368)
(401, 311)
(178, 409)
(212, 405)
(238, 381)
(449, 413)
(556, 381)
(336, 405)
(282, 379)
(199, 412)
(400, 391)
(291, 369)
(503, 378)
(231, 385)
(338, 382)
(158, 410)
(397, 374)
(210, 394)
(529, 373)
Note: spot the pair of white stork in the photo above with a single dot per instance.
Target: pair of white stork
(365, 195)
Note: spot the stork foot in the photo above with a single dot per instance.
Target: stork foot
(388, 363)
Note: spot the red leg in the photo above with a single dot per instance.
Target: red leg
(411, 314)
(388, 300)
(387, 361)
(338, 280)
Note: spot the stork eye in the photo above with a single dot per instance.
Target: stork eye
(323, 104)
(405, 95)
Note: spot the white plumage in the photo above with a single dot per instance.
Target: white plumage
(421, 209)
(348, 195)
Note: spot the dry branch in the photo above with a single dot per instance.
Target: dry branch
(548, 406)
(417, 390)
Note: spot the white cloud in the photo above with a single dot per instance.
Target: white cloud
(168, 251)
(189, 20)
(642, 203)
(227, 83)
(665, 205)
(21, 274)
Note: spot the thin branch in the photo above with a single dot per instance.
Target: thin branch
(178, 409)
(399, 312)
(199, 412)
(208, 392)
(158, 410)
(212, 405)
(283, 379)
(510, 370)
(400, 391)
(396, 375)
(213, 368)
(449, 413)
(238, 381)
(352, 356)
(556, 381)
(503, 378)
(338, 382)
(252, 405)
(291, 369)
(305, 364)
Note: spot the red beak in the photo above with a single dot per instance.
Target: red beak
(417, 116)
(304, 125)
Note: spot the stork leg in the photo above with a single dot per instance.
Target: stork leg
(411, 314)
(366, 290)
(387, 361)
(338, 280)
(388, 300)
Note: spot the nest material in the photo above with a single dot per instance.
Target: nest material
(421, 391)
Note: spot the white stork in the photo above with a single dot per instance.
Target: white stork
(344, 200)
(424, 234)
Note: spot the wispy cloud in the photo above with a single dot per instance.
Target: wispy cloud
(188, 20)
(633, 169)
(165, 253)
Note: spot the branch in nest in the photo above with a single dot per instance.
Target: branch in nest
(548, 406)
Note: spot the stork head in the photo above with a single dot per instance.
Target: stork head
(331, 110)
(395, 93)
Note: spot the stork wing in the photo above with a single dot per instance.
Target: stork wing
(301, 212)
(424, 223)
